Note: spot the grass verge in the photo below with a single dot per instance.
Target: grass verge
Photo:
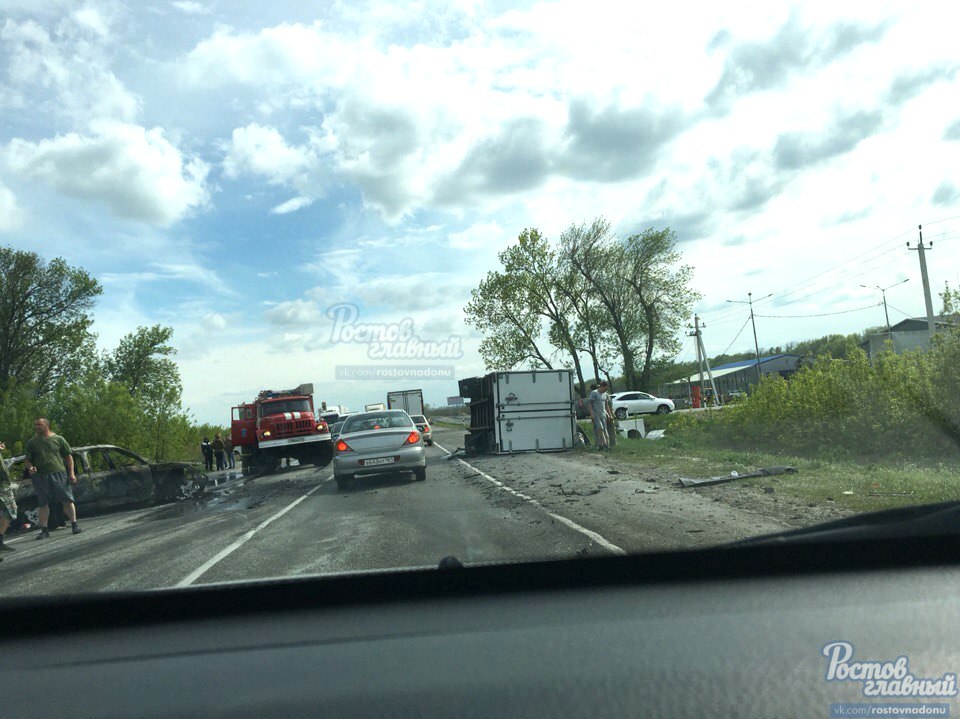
(871, 486)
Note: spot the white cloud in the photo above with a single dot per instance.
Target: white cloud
(482, 234)
(190, 7)
(136, 172)
(68, 65)
(292, 205)
(11, 217)
(214, 322)
(262, 151)
(89, 18)
(298, 312)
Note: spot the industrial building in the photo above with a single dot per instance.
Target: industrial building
(733, 377)
(907, 335)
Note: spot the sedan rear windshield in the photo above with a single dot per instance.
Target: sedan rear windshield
(378, 420)
(418, 418)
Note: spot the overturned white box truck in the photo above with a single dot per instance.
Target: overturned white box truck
(531, 411)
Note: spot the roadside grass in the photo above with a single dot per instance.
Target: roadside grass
(881, 485)
(445, 423)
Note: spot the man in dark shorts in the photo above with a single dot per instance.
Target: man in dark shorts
(51, 466)
(8, 505)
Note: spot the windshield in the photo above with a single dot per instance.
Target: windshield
(664, 278)
(284, 406)
(376, 420)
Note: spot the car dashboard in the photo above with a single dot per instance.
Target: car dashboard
(721, 632)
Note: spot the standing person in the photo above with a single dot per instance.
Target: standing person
(51, 466)
(611, 422)
(228, 446)
(598, 414)
(218, 450)
(207, 449)
(8, 505)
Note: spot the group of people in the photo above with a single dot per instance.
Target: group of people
(49, 464)
(600, 414)
(218, 450)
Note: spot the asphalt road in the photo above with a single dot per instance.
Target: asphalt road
(295, 522)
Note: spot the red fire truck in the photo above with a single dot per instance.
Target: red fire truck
(278, 425)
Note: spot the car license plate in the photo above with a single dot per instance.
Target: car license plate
(378, 460)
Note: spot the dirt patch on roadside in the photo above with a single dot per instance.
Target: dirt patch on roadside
(642, 508)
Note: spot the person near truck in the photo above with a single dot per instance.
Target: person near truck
(597, 403)
(218, 448)
(207, 450)
(228, 446)
(8, 505)
(50, 464)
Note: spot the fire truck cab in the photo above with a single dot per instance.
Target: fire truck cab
(277, 425)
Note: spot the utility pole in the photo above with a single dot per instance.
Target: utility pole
(706, 362)
(883, 292)
(703, 360)
(756, 345)
(696, 335)
(931, 323)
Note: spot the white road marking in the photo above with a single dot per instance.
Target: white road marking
(226, 552)
(594, 537)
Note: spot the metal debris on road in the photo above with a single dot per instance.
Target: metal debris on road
(763, 472)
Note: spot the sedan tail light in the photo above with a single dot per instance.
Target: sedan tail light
(343, 446)
(426, 428)
(413, 437)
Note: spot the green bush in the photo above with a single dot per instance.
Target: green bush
(899, 406)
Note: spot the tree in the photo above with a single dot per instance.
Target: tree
(141, 364)
(44, 320)
(140, 358)
(532, 265)
(950, 302)
(499, 309)
(602, 262)
(664, 290)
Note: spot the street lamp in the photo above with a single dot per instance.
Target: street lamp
(756, 345)
(883, 292)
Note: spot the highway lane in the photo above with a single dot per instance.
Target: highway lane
(291, 523)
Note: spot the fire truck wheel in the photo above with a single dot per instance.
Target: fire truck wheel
(343, 483)
(420, 474)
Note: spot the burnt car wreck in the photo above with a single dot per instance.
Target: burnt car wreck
(110, 478)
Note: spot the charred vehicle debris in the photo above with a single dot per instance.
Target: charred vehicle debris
(111, 478)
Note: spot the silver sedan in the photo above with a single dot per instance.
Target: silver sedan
(377, 442)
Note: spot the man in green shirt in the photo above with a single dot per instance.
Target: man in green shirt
(51, 466)
(8, 505)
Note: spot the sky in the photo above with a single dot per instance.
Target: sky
(240, 170)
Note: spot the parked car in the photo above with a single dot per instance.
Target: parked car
(423, 424)
(111, 478)
(628, 403)
(377, 442)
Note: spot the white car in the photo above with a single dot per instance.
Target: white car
(627, 403)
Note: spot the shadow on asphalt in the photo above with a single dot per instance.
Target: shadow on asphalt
(372, 482)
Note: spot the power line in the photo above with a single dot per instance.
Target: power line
(737, 337)
(803, 284)
(899, 310)
(937, 222)
(822, 314)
